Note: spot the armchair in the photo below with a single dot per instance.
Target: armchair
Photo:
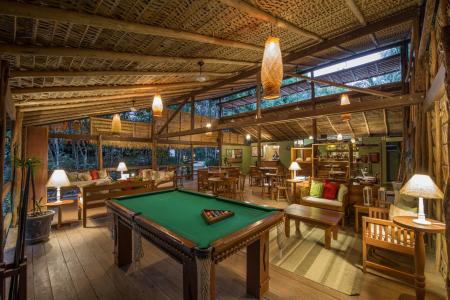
(380, 232)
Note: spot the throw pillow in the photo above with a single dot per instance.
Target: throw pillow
(330, 190)
(102, 174)
(94, 174)
(73, 176)
(316, 189)
(343, 190)
(394, 211)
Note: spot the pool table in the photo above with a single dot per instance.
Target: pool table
(172, 221)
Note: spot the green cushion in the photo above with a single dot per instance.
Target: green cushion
(343, 190)
(316, 189)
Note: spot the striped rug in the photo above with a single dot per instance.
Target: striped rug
(306, 256)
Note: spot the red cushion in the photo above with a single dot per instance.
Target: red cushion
(330, 190)
(94, 174)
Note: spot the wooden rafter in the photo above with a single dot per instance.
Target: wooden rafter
(71, 17)
(27, 74)
(359, 15)
(346, 86)
(398, 101)
(113, 55)
(395, 19)
(331, 125)
(266, 17)
(366, 123)
(90, 88)
(350, 127)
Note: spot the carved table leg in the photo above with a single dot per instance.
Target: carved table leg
(258, 266)
(199, 277)
(419, 259)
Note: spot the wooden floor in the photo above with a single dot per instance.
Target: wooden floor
(77, 263)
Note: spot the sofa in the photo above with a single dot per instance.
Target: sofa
(161, 179)
(326, 194)
(86, 178)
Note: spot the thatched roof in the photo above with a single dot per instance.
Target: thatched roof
(74, 58)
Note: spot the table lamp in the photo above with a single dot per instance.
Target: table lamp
(58, 180)
(295, 167)
(122, 167)
(421, 186)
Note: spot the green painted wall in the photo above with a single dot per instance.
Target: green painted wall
(246, 156)
(284, 152)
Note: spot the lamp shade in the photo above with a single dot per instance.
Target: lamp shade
(345, 100)
(421, 185)
(58, 179)
(157, 106)
(272, 69)
(122, 167)
(116, 125)
(294, 166)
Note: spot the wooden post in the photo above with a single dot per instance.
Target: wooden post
(100, 152)
(313, 100)
(4, 73)
(192, 127)
(259, 146)
(404, 65)
(154, 145)
(219, 145)
(258, 116)
(17, 151)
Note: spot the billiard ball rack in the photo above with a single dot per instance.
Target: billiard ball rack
(212, 216)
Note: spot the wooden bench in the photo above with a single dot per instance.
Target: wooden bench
(94, 196)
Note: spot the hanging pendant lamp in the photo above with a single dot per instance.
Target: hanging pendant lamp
(272, 69)
(157, 106)
(116, 124)
(345, 100)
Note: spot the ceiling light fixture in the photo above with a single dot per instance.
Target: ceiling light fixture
(272, 69)
(200, 76)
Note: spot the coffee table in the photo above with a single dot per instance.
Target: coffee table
(323, 218)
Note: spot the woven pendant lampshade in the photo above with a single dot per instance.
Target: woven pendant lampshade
(116, 125)
(157, 106)
(272, 69)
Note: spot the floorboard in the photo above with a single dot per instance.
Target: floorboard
(78, 263)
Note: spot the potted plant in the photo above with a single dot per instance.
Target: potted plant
(38, 221)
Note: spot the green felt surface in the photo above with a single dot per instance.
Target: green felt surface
(180, 212)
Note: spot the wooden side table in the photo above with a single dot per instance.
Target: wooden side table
(419, 247)
(294, 183)
(59, 205)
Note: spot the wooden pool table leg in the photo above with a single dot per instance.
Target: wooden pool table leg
(258, 266)
(122, 244)
(199, 279)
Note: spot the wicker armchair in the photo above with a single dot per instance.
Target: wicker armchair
(379, 232)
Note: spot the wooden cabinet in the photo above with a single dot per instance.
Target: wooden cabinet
(332, 160)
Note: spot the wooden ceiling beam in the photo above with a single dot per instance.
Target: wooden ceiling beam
(37, 74)
(71, 17)
(341, 85)
(366, 123)
(426, 28)
(90, 88)
(266, 17)
(392, 20)
(113, 55)
(331, 125)
(350, 127)
(398, 101)
(359, 15)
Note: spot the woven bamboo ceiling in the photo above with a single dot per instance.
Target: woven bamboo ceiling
(83, 58)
